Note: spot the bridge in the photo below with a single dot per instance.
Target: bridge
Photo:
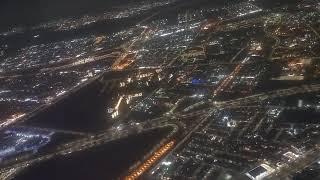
(83, 144)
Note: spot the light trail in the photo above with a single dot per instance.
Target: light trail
(127, 58)
(226, 82)
(150, 161)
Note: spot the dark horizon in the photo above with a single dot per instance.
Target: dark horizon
(16, 13)
(20, 13)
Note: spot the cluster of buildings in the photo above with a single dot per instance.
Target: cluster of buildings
(121, 12)
(19, 141)
(178, 68)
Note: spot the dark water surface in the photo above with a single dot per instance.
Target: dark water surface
(105, 162)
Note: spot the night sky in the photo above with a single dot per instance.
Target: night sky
(29, 12)
(15, 13)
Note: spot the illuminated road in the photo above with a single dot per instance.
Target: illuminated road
(93, 141)
(163, 151)
(84, 144)
(124, 60)
(297, 165)
(314, 31)
(57, 131)
(269, 95)
(229, 79)
(158, 154)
